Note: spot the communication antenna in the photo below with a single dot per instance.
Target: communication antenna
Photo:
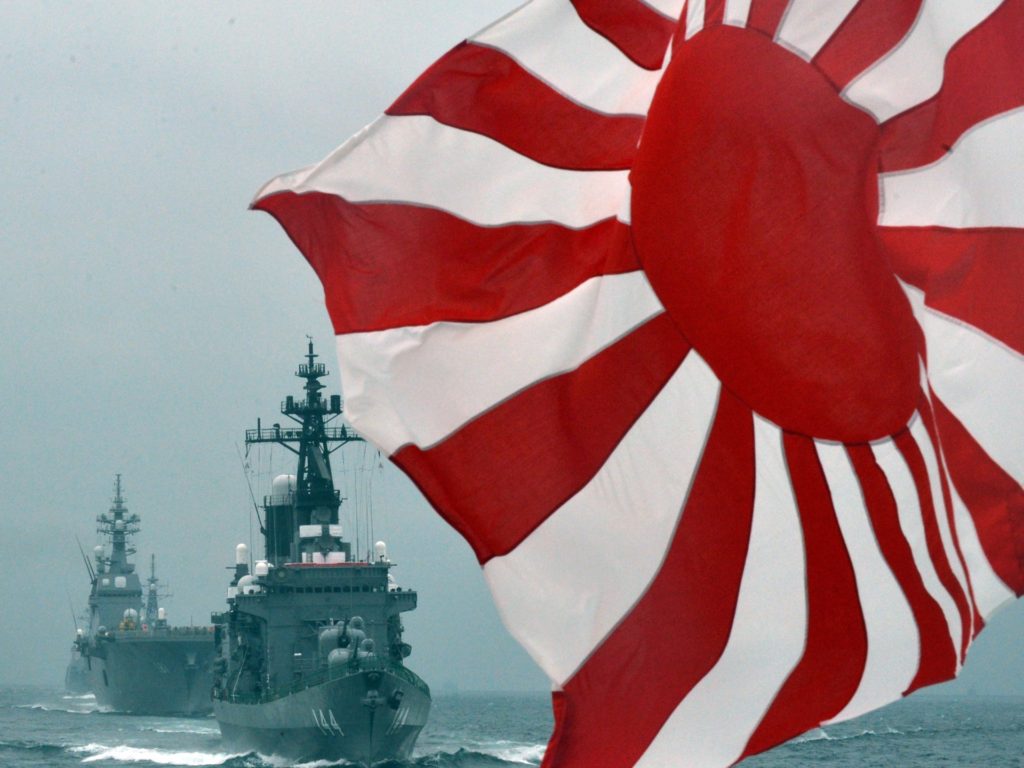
(88, 563)
(252, 496)
(71, 605)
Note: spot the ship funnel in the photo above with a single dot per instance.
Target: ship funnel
(241, 555)
(381, 550)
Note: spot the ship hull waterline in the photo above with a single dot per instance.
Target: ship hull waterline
(154, 676)
(354, 718)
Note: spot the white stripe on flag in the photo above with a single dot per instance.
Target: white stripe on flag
(574, 578)
(908, 507)
(912, 72)
(736, 12)
(694, 17)
(893, 641)
(809, 24)
(979, 380)
(976, 184)
(418, 384)
(670, 9)
(920, 435)
(711, 726)
(990, 591)
(548, 38)
(420, 161)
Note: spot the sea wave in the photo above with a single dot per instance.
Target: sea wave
(819, 734)
(510, 752)
(275, 761)
(19, 745)
(85, 708)
(492, 755)
(207, 731)
(128, 754)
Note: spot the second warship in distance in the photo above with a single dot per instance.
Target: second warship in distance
(310, 656)
(134, 661)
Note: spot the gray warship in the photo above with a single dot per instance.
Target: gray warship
(310, 656)
(135, 662)
(76, 674)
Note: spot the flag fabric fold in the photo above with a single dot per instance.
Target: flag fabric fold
(702, 323)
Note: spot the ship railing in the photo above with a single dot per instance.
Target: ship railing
(364, 665)
(324, 675)
(398, 670)
(292, 434)
(156, 632)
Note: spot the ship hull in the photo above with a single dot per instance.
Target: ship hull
(153, 675)
(76, 676)
(361, 717)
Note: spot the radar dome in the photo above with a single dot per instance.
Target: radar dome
(241, 554)
(282, 485)
(339, 656)
(330, 638)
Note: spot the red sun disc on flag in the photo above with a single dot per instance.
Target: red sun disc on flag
(755, 196)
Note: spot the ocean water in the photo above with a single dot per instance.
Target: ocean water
(45, 728)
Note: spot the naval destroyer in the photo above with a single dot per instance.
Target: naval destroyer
(310, 655)
(134, 660)
(76, 674)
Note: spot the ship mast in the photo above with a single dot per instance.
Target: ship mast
(117, 525)
(152, 608)
(314, 502)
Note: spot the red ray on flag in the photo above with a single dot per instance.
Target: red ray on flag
(702, 323)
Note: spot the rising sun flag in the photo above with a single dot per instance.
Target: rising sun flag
(703, 323)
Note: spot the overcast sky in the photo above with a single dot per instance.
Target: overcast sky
(147, 318)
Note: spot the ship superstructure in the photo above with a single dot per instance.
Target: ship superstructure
(310, 655)
(135, 662)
